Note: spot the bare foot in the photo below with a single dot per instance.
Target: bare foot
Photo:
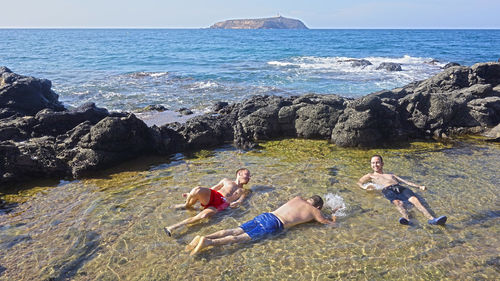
(201, 245)
(168, 231)
(193, 243)
(179, 206)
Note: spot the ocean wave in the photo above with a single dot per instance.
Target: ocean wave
(348, 64)
(148, 74)
(346, 76)
(205, 85)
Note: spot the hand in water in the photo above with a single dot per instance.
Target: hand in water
(334, 218)
(370, 186)
(234, 204)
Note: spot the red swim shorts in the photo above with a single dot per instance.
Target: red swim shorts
(217, 201)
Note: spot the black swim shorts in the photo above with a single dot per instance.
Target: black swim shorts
(397, 192)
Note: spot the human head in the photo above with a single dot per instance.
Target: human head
(376, 162)
(316, 201)
(243, 175)
(376, 155)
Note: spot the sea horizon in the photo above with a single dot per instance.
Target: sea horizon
(314, 28)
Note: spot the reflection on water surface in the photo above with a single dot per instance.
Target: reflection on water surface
(110, 228)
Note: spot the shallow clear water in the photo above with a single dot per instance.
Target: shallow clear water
(110, 227)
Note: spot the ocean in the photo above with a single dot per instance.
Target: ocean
(127, 69)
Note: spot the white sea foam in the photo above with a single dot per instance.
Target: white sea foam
(334, 201)
(110, 94)
(291, 76)
(413, 68)
(205, 85)
(148, 74)
(81, 93)
(335, 62)
(377, 186)
(159, 74)
(351, 76)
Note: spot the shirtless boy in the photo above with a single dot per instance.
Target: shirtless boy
(295, 211)
(394, 192)
(226, 193)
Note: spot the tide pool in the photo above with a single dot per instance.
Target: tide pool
(109, 227)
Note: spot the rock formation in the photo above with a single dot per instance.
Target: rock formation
(390, 66)
(40, 138)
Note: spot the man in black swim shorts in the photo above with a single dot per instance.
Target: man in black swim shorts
(394, 192)
(295, 211)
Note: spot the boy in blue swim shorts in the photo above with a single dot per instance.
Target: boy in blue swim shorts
(262, 225)
(394, 192)
(295, 211)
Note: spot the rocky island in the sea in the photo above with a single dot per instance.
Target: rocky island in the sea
(40, 138)
(278, 22)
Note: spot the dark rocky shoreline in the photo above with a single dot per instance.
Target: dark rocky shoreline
(39, 138)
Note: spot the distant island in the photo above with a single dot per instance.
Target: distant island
(278, 22)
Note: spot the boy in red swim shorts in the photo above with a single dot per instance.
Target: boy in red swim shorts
(226, 193)
(217, 200)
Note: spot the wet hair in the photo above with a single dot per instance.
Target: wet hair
(241, 169)
(317, 201)
(380, 157)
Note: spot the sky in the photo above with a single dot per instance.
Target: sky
(203, 13)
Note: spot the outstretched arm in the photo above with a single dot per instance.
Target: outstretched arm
(242, 194)
(218, 186)
(364, 179)
(422, 187)
(318, 216)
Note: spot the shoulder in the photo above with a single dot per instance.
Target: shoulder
(314, 211)
(226, 180)
(295, 201)
(241, 190)
(367, 176)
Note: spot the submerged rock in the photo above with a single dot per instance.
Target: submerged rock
(450, 64)
(219, 105)
(153, 107)
(493, 134)
(358, 62)
(433, 61)
(390, 66)
(184, 111)
(40, 138)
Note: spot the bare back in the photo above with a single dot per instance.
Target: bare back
(296, 211)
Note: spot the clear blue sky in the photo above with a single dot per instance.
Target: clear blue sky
(203, 13)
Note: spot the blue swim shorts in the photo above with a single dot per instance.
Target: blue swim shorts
(262, 225)
(397, 192)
